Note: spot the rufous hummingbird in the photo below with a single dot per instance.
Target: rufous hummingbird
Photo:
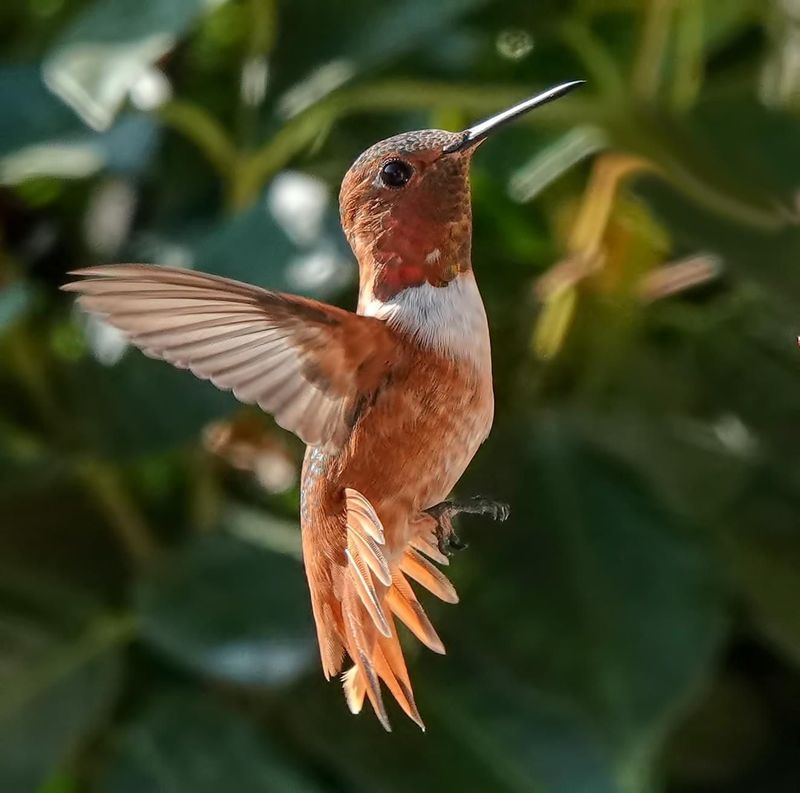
(392, 401)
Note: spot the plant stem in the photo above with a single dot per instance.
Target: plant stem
(103, 482)
(596, 58)
(254, 70)
(205, 502)
(24, 359)
(195, 124)
(689, 61)
(103, 634)
(649, 65)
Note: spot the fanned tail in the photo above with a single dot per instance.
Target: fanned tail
(372, 596)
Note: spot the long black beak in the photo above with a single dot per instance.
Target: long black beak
(474, 135)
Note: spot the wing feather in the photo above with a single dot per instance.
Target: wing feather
(307, 363)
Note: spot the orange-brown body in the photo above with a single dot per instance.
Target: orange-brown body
(392, 401)
(404, 456)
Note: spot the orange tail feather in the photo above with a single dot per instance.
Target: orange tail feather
(371, 595)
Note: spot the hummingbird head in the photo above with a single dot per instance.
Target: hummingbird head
(405, 204)
(405, 208)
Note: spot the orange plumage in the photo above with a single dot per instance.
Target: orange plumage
(392, 401)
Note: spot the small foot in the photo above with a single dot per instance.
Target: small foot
(444, 513)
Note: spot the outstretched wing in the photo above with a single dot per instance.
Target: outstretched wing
(312, 366)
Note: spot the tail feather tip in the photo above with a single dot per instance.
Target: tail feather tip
(354, 689)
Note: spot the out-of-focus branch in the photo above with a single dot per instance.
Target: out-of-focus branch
(104, 484)
(676, 277)
(648, 69)
(198, 126)
(587, 255)
(601, 68)
(557, 289)
(689, 56)
(609, 171)
(101, 635)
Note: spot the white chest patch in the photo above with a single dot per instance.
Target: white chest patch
(450, 319)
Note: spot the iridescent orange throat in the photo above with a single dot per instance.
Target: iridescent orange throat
(415, 252)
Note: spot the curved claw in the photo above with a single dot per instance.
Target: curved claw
(497, 510)
(443, 513)
(450, 543)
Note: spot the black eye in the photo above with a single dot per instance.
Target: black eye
(396, 173)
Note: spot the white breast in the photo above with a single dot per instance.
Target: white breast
(450, 319)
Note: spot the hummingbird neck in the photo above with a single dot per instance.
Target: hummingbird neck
(448, 320)
(405, 256)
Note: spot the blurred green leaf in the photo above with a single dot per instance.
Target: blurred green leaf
(609, 604)
(723, 20)
(722, 738)
(552, 162)
(289, 240)
(356, 37)
(228, 609)
(60, 783)
(139, 405)
(764, 257)
(181, 742)
(732, 121)
(51, 525)
(14, 300)
(31, 114)
(765, 559)
(127, 148)
(527, 740)
(56, 686)
(266, 531)
(486, 729)
(102, 54)
(40, 137)
(26, 467)
(692, 163)
(693, 466)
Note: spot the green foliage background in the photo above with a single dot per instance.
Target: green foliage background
(635, 626)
